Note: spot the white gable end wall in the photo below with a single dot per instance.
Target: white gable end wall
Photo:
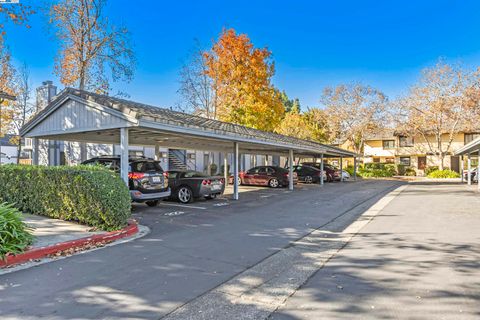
(74, 116)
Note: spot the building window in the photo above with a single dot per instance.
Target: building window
(405, 141)
(469, 137)
(376, 159)
(388, 144)
(389, 160)
(405, 161)
(191, 156)
(135, 154)
(163, 155)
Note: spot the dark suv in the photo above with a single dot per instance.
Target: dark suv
(146, 179)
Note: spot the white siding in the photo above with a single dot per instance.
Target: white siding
(75, 116)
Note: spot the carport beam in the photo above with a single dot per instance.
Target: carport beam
(355, 168)
(225, 168)
(478, 169)
(235, 171)
(341, 169)
(469, 170)
(462, 165)
(321, 169)
(290, 173)
(124, 154)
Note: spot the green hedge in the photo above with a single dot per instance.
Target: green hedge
(443, 174)
(14, 233)
(89, 195)
(377, 170)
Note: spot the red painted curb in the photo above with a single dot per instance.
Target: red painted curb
(37, 253)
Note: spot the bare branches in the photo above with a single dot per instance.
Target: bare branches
(355, 112)
(440, 104)
(93, 52)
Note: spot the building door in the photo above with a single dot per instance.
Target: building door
(422, 163)
(455, 163)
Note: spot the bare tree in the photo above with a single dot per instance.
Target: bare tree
(196, 87)
(93, 52)
(440, 105)
(23, 107)
(355, 111)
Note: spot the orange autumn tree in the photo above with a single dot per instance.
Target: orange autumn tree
(16, 13)
(7, 87)
(242, 79)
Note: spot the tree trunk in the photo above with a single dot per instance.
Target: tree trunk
(442, 159)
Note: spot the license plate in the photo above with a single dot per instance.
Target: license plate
(156, 180)
(216, 187)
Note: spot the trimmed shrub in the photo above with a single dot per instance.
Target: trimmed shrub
(430, 169)
(409, 171)
(14, 233)
(401, 169)
(377, 170)
(89, 195)
(443, 174)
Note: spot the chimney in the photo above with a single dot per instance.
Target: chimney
(45, 94)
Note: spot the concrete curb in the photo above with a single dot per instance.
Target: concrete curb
(38, 253)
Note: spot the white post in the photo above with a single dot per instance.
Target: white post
(469, 170)
(225, 168)
(321, 169)
(478, 170)
(35, 151)
(462, 168)
(124, 154)
(235, 171)
(157, 152)
(290, 173)
(354, 168)
(341, 169)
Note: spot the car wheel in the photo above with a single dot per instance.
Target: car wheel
(152, 203)
(273, 183)
(308, 179)
(329, 178)
(185, 194)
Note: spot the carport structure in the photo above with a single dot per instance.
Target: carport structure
(82, 116)
(470, 149)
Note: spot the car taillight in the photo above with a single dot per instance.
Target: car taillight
(165, 174)
(205, 182)
(136, 175)
(285, 174)
(222, 181)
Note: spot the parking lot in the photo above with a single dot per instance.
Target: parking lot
(190, 250)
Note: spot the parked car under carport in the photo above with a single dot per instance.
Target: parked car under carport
(188, 185)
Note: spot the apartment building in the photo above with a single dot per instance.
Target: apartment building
(414, 151)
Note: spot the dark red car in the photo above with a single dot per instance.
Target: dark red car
(270, 176)
(333, 174)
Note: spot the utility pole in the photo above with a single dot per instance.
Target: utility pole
(3, 96)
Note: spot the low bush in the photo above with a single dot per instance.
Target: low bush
(14, 233)
(430, 169)
(377, 170)
(89, 195)
(443, 174)
(409, 171)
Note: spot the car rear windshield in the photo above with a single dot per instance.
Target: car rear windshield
(146, 166)
(194, 174)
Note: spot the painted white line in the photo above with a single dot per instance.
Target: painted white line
(182, 205)
(174, 213)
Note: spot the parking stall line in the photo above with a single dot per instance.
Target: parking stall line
(182, 206)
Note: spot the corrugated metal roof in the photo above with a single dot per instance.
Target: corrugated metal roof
(146, 112)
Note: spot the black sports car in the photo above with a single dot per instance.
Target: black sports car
(308, 174)
(188, 185)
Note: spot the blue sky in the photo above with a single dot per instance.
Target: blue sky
(383, 43)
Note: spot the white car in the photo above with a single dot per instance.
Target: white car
(345, 175)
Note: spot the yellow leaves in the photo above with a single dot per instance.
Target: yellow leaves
(311, 125)
(241, 77)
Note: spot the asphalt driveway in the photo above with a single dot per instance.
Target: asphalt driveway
(190, 250)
